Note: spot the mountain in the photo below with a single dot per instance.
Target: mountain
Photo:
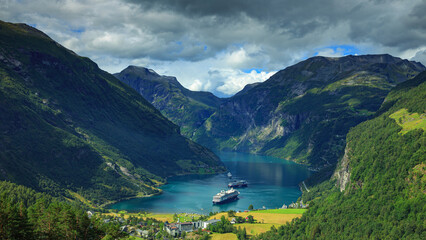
(378, 189)
(71, 129)
(304, 112)
(186, 108)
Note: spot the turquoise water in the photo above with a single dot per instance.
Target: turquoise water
(272, 183)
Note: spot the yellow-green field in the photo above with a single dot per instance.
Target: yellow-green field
(183, 217)
(256, 228)
(265, 220)
(284, 211)
(276, 216)
(409, 121)
(224, 236)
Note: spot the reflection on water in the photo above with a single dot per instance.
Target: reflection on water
(272, 182)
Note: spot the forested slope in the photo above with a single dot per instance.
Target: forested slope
(71, 129)
(379, 187)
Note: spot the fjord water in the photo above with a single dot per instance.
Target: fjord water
(272, 183)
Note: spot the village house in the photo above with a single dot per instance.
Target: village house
(210, 222)
(176, 229)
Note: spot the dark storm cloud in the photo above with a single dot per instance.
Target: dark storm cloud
(190, 38)
(400, 24)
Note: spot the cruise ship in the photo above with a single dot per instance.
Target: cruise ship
(237, 184)
(226, 196)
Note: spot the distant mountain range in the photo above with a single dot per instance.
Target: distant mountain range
(71, 129)
(302, 113)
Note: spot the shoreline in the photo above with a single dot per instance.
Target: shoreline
(105, 205)
(128, 198)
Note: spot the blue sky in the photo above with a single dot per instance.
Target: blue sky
(340, 50)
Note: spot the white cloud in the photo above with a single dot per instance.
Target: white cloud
(235, 80)
(420, 56)
(197, 85)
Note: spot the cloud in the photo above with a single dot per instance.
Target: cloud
(197, 85)
(420, 57)
(203, 36)
(235, 80)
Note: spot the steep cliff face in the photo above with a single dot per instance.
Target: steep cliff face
(305, 111)
(342, 173)
(186, 108)
(67, 126)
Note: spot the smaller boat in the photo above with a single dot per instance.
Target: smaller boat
(229, 175)
(237, 184)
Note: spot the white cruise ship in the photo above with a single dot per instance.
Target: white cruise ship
(226, 196)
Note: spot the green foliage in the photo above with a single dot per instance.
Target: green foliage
(240, 219)
(26, 214)
(241, 234)
(385, 197)
(250, 207)
(250, 219)
(223, 226)
(231, 213)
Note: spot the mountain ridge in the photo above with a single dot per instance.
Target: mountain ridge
(284, 115)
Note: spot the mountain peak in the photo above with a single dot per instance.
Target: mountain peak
(141, 71)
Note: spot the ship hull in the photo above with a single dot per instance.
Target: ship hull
(238, 185)
(231, 199)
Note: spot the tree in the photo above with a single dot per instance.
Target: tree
(250, 207)
(241, 233)
(250, 219)
(231, 213)
(205, 236)
(240, 219)
(223, 226)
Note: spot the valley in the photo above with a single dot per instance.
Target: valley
(331, 148)
(301, 113)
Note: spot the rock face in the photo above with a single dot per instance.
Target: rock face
(66, 125)
(342, 173)
(186, 108)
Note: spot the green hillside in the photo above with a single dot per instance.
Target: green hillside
(381, 177)
(27, 214)
(71, 129)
